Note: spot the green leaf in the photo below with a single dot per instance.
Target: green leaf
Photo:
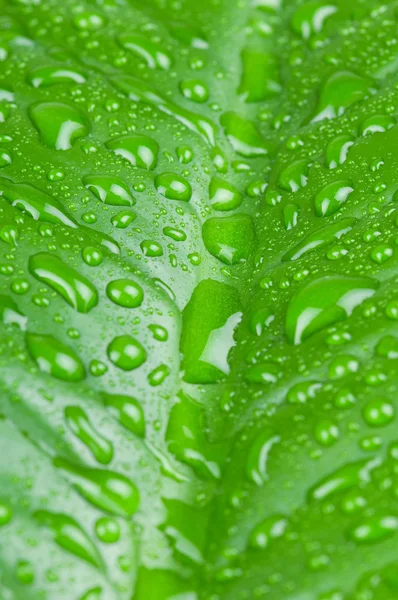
(198, 300)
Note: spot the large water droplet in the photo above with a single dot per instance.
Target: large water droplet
(76, 289)
(324, 301)
(59, 124)
(230, 239)
(109, 491)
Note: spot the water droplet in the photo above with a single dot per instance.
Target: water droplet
(152, 53)
(125, 292)
(92, 256)
(123, 219)
(258, 457)
(54, 357)
(107, 530)
(109, 189)
(140, 151)
(243, 136)
(173, 187)
(310, 17)
(208, 324)
(230, 239)
(337, 150)
(320, 238)
(128, 410)
(378, 412)
(269, 529)
(70, 536)
(109, 491)
(5, 157)
(331, 198)
(195, 90)
(126, 353)
(59, 125)
(47, 76)
(82, 427)
(223, 195)
(340, 91)
(76, 289)
(324, 301)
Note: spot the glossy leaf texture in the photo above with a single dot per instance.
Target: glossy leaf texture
(198, 300)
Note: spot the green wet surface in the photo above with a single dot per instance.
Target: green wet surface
(198, 300)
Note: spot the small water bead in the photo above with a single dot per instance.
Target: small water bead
(125, 292)
(371, 443)
(89, 218)
(20, 286)
(151, 248)
(374, 529)
(158, 375)
(9, 234)
(107, 530)
(184, 154)
(260, 78)
(379, 412)
(175, 234)
(126, 352)
(55, 358)
(89, 21)
(97, 368)
(326, 433)
(92, 256)
(173, 187)
(123, 219)
(342, 366)
(159, 333)
(195, 90)
(5, 157)
(331, 198)
(381, 254)
(56, 175)
(344, 399)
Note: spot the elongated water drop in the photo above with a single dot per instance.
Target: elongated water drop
(128, 410)
(109, 491)
(55, 358)
(324, 301)
(80, 424)
(70, 536)
(154, 55)
(48, 76)
(76, 289)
